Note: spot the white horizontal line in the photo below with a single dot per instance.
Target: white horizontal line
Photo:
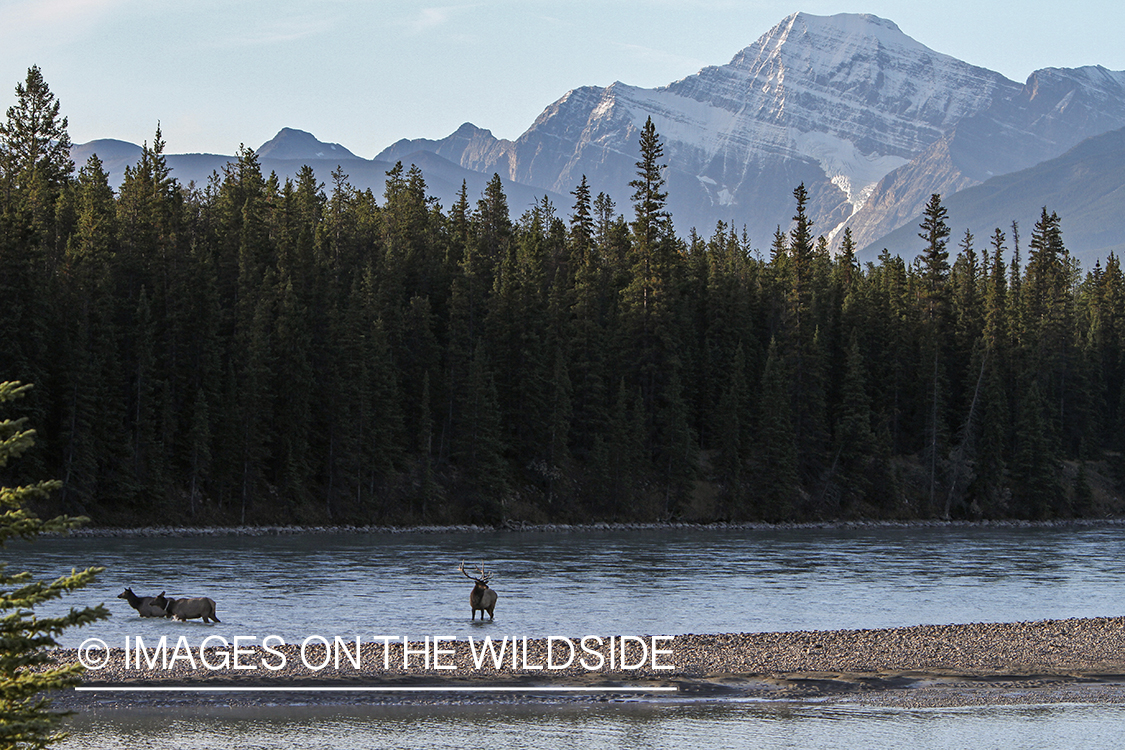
(362, 689)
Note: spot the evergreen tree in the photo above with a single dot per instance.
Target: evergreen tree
(803, 345)
(89, 327)
(935, 298)
(967, 308)
(561, 413)
(934, 261)
(847, 263)
(800, 256)
(731, 424)
(594, 296)
(619, 460)
(646, 297)
(581, 226)
(776, 459)
(493, 229)
(1035, 487)
(199, 442)
(35, 159)
(676, 453)
(854, 439)
(1048, 326)
(480, 452)
(1015, 280)
(986, 489)
(649, 195)
(295, 386)
(35, 169)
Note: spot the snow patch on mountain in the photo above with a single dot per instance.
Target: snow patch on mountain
(855, 173)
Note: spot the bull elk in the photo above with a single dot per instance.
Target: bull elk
(481, 597)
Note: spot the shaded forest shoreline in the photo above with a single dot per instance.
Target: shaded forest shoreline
(258, 352)
(577, 528)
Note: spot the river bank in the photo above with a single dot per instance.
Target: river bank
(1051, 661)
(253, 531)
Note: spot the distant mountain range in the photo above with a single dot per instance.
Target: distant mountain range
(290, 149)
(870, 120)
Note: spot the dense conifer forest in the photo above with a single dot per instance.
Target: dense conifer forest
(287, 352)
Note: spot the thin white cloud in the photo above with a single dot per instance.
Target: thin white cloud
(279, 31)
(427, 19)
(32, 17)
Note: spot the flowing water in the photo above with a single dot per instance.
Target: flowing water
(602, 582)
(685, 727)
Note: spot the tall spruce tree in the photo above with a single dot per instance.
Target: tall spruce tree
(776, 454)
(35, 158)
(936, 309)
(646, 296)
(480, 448)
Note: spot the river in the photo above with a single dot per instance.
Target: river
(669, 581)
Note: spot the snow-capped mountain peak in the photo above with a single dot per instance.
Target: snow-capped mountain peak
(841, 103)
(849, 93)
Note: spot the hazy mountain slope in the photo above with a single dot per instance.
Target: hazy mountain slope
(443, 178)
(472, 147)
(1085, 187)
(1055, 110)
(297, 144)
(114, 155)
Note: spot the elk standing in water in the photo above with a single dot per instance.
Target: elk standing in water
(187, 609)
(481, 597)
(146, 606)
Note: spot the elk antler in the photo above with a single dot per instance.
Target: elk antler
(484, 577)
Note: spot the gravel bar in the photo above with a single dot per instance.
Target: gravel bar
(1051, 661)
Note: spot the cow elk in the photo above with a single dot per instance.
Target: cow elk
(187, 609)
(481, 597)
(146, 606)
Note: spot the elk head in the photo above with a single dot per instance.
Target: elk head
(481, 597)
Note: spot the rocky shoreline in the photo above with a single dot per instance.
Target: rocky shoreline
(203, 531)
(1074, 660)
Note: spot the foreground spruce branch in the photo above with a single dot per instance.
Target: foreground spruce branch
(25, 671)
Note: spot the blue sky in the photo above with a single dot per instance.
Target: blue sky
(364, 74)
